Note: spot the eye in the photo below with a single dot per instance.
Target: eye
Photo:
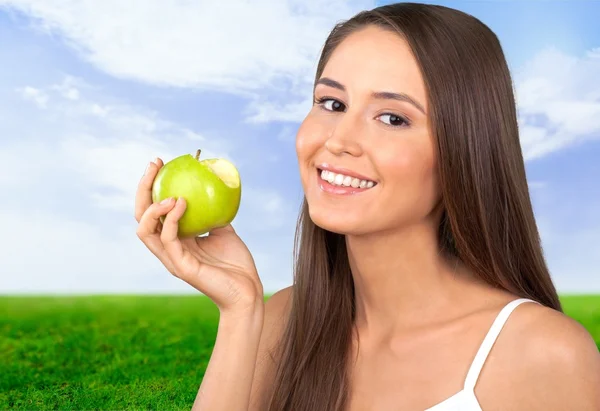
(330, 104)
(394, 120)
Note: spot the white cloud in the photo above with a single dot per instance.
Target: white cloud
(287, 133)
(71, 177)
(559, 101)
(104, 147)
(262, 111)
(234, 46)
(278, 212)
(37, 96)
(257, 49)
(50, 252)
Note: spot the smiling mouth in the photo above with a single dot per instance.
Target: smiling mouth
(342, 184)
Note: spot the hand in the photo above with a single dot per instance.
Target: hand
(218, 265)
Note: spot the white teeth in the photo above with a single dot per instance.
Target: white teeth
(342, 180)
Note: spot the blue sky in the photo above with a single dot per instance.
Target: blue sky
(90, 92)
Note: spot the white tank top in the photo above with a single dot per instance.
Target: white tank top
(465, 400)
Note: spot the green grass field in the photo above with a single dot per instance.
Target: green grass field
(125, 352)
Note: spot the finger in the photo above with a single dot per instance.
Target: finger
(143, 196)
(185, 264)
(148, 231)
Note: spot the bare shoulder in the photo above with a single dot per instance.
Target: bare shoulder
(277, 308)
(544, 360)
(276, 315)
(281, 296)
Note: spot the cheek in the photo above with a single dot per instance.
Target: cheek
(398, 164)
(411, 174)
(308, 142)
(310, 138)
(302, 142)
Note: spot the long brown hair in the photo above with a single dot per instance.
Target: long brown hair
(488, 221)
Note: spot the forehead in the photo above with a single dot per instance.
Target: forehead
(374, 59)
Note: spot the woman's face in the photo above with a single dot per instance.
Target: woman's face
(373, 142)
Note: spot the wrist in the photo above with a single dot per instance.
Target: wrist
(250, 313)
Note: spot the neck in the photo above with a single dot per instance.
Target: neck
(401, 278)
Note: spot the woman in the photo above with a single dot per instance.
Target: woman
(416, 243)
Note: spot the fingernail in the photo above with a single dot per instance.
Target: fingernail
(166, 201)
(147, 168)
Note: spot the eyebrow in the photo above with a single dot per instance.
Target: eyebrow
(385, 95)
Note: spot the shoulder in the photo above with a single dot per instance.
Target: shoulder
(551, 361)
(277, 310)
(278, 303)
(282, 294)
(556, 342)
(276, 315)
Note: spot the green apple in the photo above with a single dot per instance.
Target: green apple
(211, 188)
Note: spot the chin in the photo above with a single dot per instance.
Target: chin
(339, 223)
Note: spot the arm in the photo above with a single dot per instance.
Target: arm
(228, 378)
(241, 370)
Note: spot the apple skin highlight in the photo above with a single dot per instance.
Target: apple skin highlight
(210, 201)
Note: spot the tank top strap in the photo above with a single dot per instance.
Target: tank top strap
(489, 340)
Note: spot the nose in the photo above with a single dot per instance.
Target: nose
(343, 138)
